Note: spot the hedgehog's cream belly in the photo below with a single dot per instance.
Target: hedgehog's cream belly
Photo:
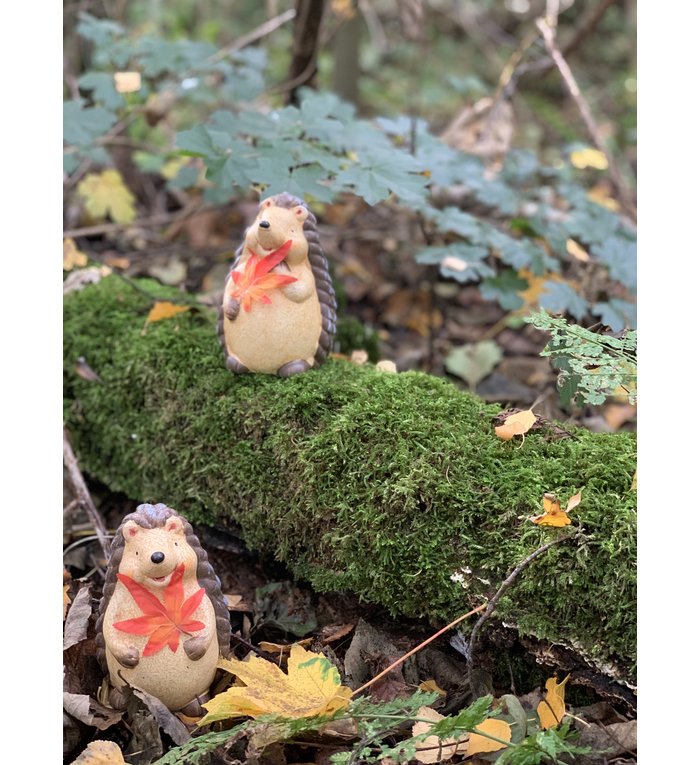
(171, 677)
(269, 336)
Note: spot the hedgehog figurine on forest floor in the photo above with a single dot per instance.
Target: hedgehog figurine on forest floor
(163, 621)
(279, 309)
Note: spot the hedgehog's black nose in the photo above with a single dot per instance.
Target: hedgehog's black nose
(158, 557)
(264, 224)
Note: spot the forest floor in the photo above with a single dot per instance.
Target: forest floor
(414, 318)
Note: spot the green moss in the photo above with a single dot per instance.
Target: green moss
(380, 484)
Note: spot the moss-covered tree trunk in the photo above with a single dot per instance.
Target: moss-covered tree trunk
(391, 486)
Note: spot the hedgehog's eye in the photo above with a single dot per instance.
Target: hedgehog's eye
(137, 552)
(175, 544)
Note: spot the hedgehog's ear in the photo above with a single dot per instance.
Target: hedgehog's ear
(174, 525)
(301, 212)
(131, 529)
(267, 203)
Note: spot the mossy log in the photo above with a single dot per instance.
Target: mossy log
(384, 485)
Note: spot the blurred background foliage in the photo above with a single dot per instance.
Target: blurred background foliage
(452, 114)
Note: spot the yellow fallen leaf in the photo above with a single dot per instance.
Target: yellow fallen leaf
(478, 744)
(589, 158)
(430, 686)
(72, 256)
(432, 749)
(127, 82)
(280, 648)
(599, 194)
(551, 710)
(100, 753)
(106, 194)
(173, 166)
(536, 286)
(516, 425)
(576, 251)
(164, 310)
(310, 687)
(553, 514)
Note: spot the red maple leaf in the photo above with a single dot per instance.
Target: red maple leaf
(162, 622)
(253, 282)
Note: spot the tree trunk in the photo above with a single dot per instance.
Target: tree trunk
(346, 58)
(391, 486)
(307, 27)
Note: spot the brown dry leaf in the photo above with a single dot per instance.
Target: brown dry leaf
(588, 157)
(333, 632)
(116, 261)
(576, 251)
(478, 744)
(165, 310)
(233, 601)
(431, 749)
(617, 415)
(106, 194)
(430, 686)
(127, 82)
(72, 256)
(100, 753)
(310, 687)
(551, 710)
(66, 600)
(516, 425)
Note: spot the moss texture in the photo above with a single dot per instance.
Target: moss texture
(375, 483)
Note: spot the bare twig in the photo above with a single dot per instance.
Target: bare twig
(154, 220)
(82, 493)
(461, 693)
(575, 92)
(255, 34)
(400, 661)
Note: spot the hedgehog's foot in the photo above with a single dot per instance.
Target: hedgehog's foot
(195, 708)
(236, 366)
(293, 368)
(117, 699)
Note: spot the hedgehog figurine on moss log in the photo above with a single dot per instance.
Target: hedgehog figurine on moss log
(163, 621)
(279, 308)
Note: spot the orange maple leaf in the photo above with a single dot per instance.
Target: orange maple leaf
(253, 282)
(162, 622)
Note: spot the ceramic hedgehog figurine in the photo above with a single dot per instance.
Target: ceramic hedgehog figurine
(279, 308)
(163, 622)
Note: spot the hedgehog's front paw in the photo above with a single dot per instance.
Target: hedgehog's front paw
(196, 647)
(129, 657)
(231, 308)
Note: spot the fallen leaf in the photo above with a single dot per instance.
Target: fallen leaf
(385, 365)
(164, 717)
(116, 261)
(553, 514)
(474, 361)
(66, 600)
(72, 256)
(310, 687)
(576, 251)
(89, 711)
(100, 753)
(333, 632)
(127, 82)
(430, 686)
(478, 744)
(282, 649)
(165, 310)
(76, 625)
(106, 194)
(255, 280)
(84, 370)
(583, 158)
(600, 195)
(432, 749)
(516, 425)
(162, 622)
(234, 601)
(633, 486)
(617, 415)
(551, 710)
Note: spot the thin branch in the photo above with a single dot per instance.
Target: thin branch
(255, 34)
(155, 220)
(83, 495)
(400, 661)
(507, 582)
(575, 92)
